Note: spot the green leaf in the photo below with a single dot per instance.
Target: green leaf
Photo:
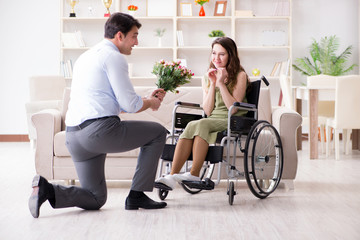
(324, 58)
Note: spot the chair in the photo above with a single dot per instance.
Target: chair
(347, 112)
(325, 108)
(46, 92)
(258, 140)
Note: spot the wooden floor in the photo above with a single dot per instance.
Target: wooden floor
(325, 204)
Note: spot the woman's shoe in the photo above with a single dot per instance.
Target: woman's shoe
(166, 183)
(185, 177)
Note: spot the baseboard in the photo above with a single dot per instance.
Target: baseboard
(305, 136)
(14, 138)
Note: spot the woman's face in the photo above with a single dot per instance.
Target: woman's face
(219, 56)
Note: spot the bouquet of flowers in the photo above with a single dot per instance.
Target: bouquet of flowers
(201, 2)
(171, 75)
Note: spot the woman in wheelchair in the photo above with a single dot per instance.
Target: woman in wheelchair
(224, 83)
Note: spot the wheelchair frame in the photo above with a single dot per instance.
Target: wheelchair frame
(256, 163)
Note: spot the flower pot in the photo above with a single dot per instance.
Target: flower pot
(202, 11)
(132, 13)
(214, 38)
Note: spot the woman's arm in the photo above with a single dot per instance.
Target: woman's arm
(208, 93)
(238, 92)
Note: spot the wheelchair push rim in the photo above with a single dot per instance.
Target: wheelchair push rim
(263, 159)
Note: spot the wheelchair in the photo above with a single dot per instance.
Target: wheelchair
(259, 142)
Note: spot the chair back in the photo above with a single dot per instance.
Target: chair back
(320, 81)
(43, 88)
(347, 98)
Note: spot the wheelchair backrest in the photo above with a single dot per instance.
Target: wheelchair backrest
(252, 95)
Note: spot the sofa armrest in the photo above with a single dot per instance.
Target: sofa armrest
(286, 121)
(36, 106)
(47, 123)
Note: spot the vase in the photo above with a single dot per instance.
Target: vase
(159, 42)
(132, 13)
(202, 11)
(214, 38)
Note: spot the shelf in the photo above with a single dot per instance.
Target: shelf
(178, 18)
(155, 18)
(194, 48)
(134, 48)
(246, 31)
(264, 17)
(205, 18)
(75, 48)
(84, 18)
(152, 48)
(262, 47)
(270, 78)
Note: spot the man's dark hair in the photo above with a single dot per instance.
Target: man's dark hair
(119, 22)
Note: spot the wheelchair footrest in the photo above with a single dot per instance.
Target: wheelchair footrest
(162, 186)
(203, 185)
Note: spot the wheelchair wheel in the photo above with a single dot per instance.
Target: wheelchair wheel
(206, 172)
(263, 159)
(231, 193)
(162, 193)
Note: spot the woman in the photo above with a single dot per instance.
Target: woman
(224, 84)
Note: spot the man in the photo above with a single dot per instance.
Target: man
(101, 89)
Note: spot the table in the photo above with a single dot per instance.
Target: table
(313, 95)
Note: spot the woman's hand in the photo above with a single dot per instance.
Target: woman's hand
(217, 76)
(221, 76)
(212, 75)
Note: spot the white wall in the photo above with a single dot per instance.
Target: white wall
(320, 18)
(29, 45)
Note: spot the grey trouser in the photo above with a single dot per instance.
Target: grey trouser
(88, 148)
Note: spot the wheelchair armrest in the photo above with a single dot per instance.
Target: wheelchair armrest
(245, 105)
(187, 104)
(180, 104)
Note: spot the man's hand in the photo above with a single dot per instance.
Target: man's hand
(155, 103)
(159, 93)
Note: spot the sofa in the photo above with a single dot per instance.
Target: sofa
(45, 92)
(53, 161)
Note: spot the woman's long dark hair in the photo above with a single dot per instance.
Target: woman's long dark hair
(233, 66)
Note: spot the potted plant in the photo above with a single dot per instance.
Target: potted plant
(132, 9)
(159, 32)
(324, 59)
(216, 34)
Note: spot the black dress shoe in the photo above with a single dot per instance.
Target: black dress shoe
(39, 195)
(143, 202)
